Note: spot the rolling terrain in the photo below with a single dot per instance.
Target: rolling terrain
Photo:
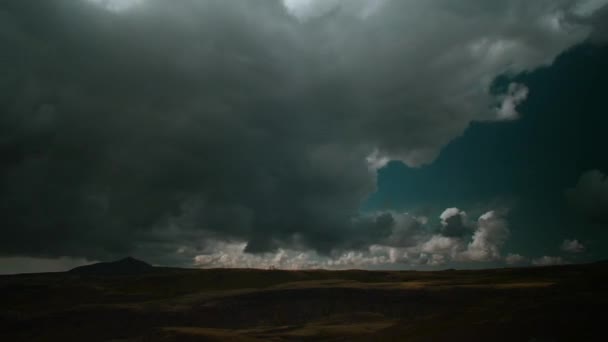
(129, 300)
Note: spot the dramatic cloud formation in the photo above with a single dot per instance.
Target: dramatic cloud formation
(492, 232)
(163, 126)
(410, 244)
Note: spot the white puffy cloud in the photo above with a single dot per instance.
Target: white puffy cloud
(492, 232)
(548, 261)
(572, 246)
(515, 259)
(516, 94)
(438, 244)
(410, 243)
(377, 161)
(233, 255)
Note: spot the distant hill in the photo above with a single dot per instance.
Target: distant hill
(126, 266)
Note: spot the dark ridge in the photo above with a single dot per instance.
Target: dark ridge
(126, 266)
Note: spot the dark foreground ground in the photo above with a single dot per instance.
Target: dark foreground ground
(562, 303)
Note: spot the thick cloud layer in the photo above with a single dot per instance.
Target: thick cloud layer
(172, 126)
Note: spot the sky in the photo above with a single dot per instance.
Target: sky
(338, 134)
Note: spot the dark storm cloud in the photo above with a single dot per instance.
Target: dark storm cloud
(590, 197)
(454, 223)
(170, 124)
(120, 126)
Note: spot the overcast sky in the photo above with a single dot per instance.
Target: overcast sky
(303, 133)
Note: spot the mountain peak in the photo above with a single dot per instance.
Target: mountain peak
(131, 259)
(125, 266)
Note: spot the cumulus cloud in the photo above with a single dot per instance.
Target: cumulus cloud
(548, 261)
(233, 255)
(517, 93)
(492, 232)
(590, 197)
(572, 246)
(409, 244)
(515, 259)
(170, 124)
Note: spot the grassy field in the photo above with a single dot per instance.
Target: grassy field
(560, 303)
